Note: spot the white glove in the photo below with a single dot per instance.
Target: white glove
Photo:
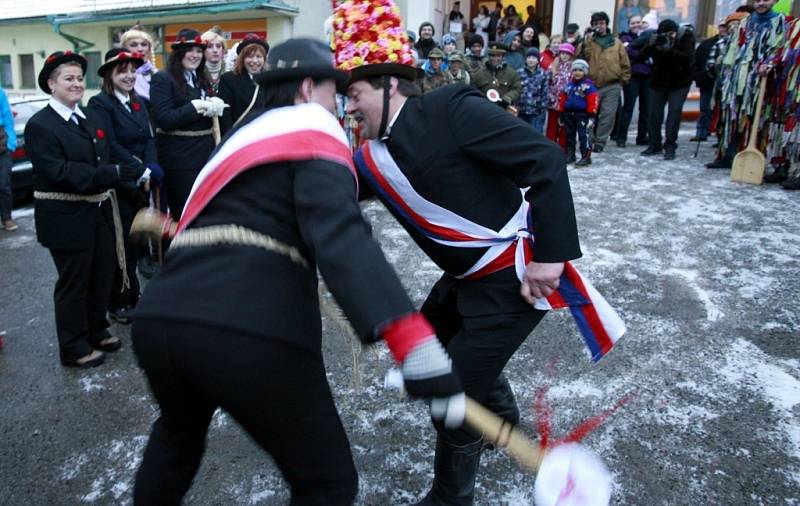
(201, 106)
(217, 106)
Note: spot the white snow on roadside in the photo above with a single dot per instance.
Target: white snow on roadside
(713, 313)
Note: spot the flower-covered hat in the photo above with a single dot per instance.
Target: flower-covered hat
(370, 40)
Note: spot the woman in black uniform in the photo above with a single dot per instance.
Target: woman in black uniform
(182, 107)
(131, 141)
(238, 88)
(233, 319)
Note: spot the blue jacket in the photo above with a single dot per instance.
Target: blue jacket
(533, 99)
(580, 96)
(8, 121)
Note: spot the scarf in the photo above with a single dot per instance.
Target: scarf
(604, 41)
(214, 69)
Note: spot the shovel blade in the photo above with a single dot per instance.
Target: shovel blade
(748, 167)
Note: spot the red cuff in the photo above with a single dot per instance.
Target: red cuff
(405, 333)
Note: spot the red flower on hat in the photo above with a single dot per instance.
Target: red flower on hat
(198, 40)
(67, 53)
(123, 55)
(136, 106)
(100, 133)
(51, 58)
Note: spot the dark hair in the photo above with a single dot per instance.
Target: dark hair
(600, 16)
(175, 69)
(511, 10)
(484, 10)
(283, 93)
(746, 8)
(108, 78)
(249, 50)
(404, 86)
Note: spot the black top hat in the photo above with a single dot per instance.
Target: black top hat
(118, 55)
(298, 59)
(187, 38)
(252, 38)
(53, 61)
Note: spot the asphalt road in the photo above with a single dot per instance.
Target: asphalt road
(704, 272)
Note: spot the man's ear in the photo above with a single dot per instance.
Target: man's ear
(393, 82)
(304, 92)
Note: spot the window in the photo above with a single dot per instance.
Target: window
(91, 78)
(6, 78)
(27, 71)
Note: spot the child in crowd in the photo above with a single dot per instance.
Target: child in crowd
(578, 104)
(533, 99)
(560, 74)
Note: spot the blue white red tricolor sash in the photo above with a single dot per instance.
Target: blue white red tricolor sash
(512, 245)
(301, 132)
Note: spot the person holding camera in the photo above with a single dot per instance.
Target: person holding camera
(672, 51)
(609, 69)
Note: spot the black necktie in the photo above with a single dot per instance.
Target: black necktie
(75, 119)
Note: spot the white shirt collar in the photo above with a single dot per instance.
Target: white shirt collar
(189, 76)
(125, 98)
(393, 120)
(64, 111)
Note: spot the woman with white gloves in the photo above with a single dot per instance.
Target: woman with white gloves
(183, 105)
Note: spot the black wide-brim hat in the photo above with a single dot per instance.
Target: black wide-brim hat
(118, 55)
(250, 39)
(384, 69)
(187, 38)
(300, 58)
(53, 61)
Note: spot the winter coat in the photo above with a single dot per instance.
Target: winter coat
(558, 82)
(237, 91)
(580, 96)
(424, 47)
(474, 63)
(672, 67)
(546, 58)
(435, 79)
(703, 70)
(640, 65)
(503, 78)
(533, 98)
(606, 66)
(130, 137)
(514, 59)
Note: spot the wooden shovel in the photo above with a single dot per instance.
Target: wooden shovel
(748, 166)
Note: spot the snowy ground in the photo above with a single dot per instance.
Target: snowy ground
(704, 272)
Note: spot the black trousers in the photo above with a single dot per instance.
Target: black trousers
(637, 88)
(673, 100)
(279, 395)
(575, 122)
(479, 345)
(128, 206)
(82, 290)
(178, 185)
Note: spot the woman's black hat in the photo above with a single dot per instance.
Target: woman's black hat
(53, 61)
(298, 59)
(119, 55)
(186, 38)
(252, 38)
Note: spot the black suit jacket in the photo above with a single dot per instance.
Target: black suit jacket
(171, 109)
(68, 158)
(462, 152)
(129, 135)
(237, 91)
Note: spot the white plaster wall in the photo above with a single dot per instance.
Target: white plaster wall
(581, 12)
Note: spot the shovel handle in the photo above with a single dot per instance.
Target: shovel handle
(216, 130)
(751, 144)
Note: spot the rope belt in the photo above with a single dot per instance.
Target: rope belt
(186, 133)
(119, 238)
(239, 236)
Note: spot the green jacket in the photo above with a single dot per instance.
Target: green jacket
(505, 80)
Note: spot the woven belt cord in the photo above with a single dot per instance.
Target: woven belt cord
(186, 133)
(119, 238)
(238, 236)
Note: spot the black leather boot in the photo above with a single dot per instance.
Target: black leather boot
(571, 154)
(454, 468)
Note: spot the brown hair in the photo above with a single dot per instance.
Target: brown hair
(404, 86)
(108, 81)
(239, 67)
(57, 71)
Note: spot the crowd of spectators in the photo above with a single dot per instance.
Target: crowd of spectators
(647, 65)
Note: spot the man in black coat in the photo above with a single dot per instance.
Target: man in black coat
(431, 151)
(73, 209)
(672, 50)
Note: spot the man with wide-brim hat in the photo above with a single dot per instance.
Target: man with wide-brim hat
(75, 209)
(449, 165)
(276, 203)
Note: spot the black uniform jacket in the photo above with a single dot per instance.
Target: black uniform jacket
(128, 133)
(171, 109)
(68, 158)
(310, 205)
(463, 153)
(237, 91)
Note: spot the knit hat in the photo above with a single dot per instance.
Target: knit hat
(651, 18)
(736, 16)
(580, 64)
(532, 52)
(370, 40)
(667, 26)
(566, 47)
(423, 25)
(448, 39)
(475, 39)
